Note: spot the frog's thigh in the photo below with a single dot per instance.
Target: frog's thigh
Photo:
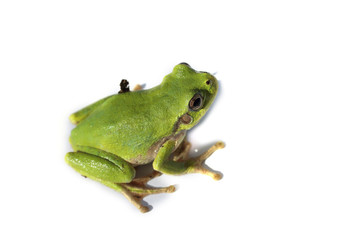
(100, 169)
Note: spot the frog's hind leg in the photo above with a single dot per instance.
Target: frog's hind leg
(138, 189)
(115, 173)
(102, 169)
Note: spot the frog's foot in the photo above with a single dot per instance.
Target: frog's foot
(198, 165)
(138, 189)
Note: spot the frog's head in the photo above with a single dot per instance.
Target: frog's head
(194, 92)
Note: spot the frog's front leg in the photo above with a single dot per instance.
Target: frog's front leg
(117, 174)
(166, 164)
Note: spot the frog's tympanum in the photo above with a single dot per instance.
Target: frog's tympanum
(118, 133)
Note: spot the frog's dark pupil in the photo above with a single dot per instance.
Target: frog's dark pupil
(208, 82)
(197, 102)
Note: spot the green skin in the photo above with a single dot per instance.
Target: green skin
(122, 131)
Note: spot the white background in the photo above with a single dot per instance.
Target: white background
(288, 111)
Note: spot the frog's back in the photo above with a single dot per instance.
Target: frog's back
(127, 125)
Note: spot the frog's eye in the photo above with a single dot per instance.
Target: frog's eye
(208, 82)
(196, 102)
(184, 63)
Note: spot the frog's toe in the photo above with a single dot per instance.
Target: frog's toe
(141, 191)
(203, 169)
(144, 209)
(171, 189)
(219, 145)
(209, 152)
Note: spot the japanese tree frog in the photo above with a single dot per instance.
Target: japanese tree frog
(120, 132)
